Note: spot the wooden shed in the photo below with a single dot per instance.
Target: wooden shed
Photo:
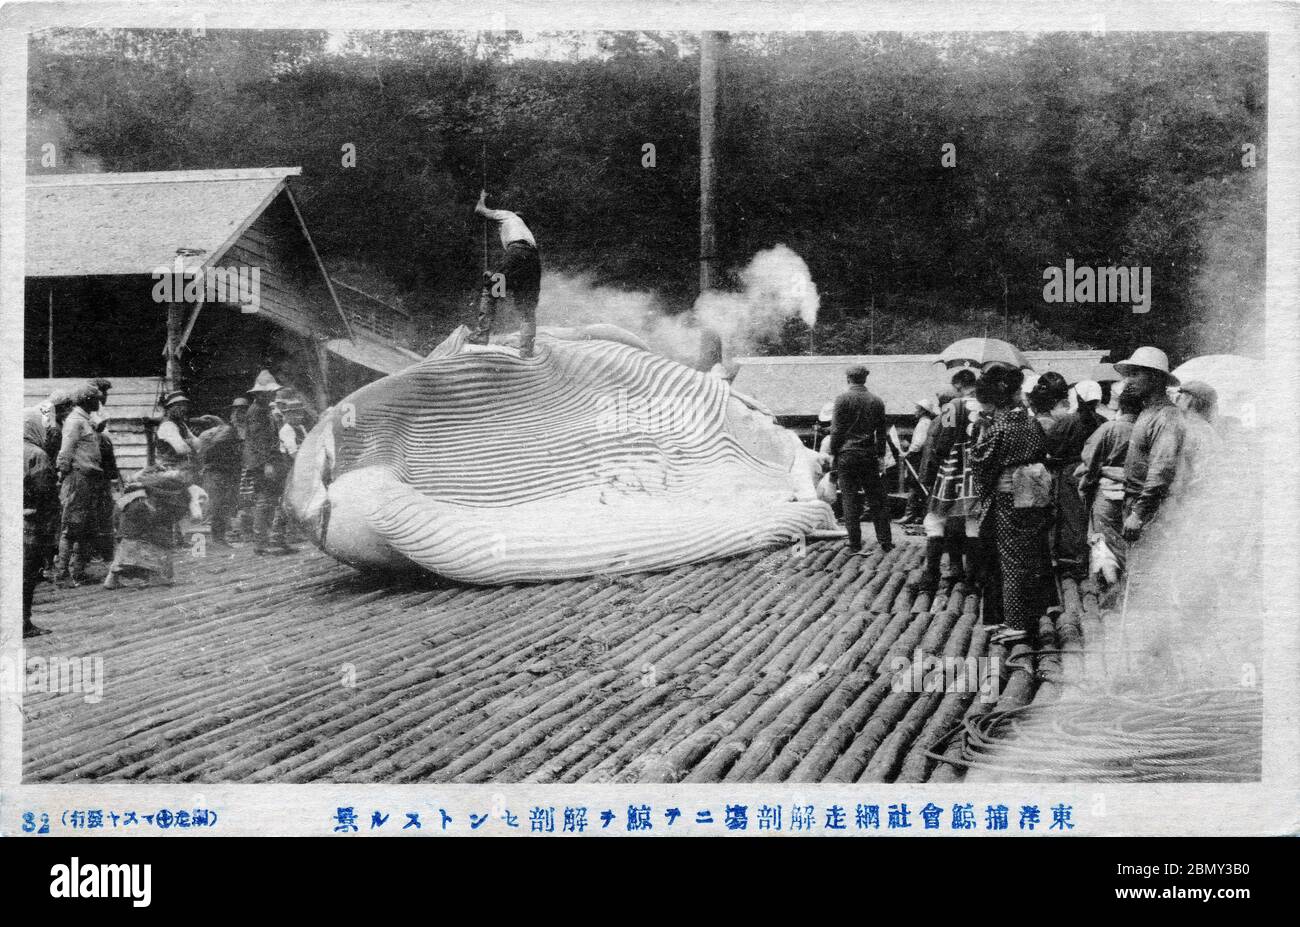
(795, 388)
(198, 278)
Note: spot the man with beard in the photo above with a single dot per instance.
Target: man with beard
(1156, 445)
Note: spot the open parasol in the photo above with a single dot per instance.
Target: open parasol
(981, 351)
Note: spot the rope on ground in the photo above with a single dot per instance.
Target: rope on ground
(1207, 735)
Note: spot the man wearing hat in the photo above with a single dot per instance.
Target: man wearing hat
(1087, 402)
(1202, 443)
(177, 447)
(53, 412)
(857, 442)
(927, 410)
(263, 459)
(1156, 445)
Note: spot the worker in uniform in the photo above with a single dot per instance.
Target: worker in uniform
(263, 458)
(857, 443)
(518, 274)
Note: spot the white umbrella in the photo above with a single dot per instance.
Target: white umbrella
(1236, 379)
(980, 351)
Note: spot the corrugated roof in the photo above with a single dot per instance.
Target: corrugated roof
(88, 224)
(800, 386)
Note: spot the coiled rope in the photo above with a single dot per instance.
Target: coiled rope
(1207, 735)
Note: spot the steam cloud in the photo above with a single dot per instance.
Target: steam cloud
(775, 286)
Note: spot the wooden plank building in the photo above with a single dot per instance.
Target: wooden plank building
(795, 388)
(197, 279)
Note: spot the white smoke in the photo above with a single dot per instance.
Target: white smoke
(1197, 591)
(775, 287)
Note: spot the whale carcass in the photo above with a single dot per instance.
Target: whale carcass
(594, 456)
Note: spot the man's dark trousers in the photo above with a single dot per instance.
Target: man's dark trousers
(222, 488)
(521, 269)
(858, 472)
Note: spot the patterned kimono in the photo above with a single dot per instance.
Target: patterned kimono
(1018, 594)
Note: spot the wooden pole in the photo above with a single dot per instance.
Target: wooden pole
(1006, 310)
(485, 225)
(323, 381)
(710, 60)
(172, 377)
(49, 337)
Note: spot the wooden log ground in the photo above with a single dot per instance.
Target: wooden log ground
(774, 666)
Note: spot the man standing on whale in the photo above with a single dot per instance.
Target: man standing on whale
(518, 274)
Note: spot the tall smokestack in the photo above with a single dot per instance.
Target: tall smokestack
(710, 69)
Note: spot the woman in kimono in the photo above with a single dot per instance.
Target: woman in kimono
(1066, 433)
(1009, 463)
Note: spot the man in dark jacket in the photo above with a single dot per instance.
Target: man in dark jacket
(857, 441)
(263, 459)
(221, 457)
(40, 513)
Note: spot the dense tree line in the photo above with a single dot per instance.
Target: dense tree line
(1115, 149)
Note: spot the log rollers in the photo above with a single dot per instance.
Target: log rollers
(595, 456)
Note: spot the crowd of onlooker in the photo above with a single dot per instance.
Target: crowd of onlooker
(1020, 479)
(223, 475)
